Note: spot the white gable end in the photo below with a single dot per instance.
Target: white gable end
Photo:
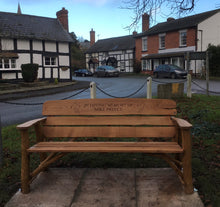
(209, 32)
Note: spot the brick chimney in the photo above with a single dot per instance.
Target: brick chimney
(145, 22)
(92, 37)
(62, 16)
(170, 19)
(134, 33)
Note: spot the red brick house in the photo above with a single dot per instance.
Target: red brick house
(168, 42)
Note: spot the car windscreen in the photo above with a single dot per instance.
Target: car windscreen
(174, 67)
(110, 68)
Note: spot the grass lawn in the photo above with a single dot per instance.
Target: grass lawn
(202, 111)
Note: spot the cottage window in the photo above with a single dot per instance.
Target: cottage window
(144, 44)
(6, 63)
(145, 65)
(161, 41)
(183, 37)
(50, 60)
(122, 66)
(13, 63)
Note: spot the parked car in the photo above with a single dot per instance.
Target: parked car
(170, 71)
(83, 72)
(106, 70)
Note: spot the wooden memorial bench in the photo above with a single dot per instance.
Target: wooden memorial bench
(149, 123)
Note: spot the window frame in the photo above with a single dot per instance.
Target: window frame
(163, 35)
(10, 62)
(144, 44)
(181, 38)
(145, 65)
(50, 61)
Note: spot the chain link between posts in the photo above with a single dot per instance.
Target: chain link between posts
(112, 96)
(122, 96)
(216, 92)
(34, 104)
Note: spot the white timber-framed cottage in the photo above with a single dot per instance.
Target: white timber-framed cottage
(33, 39)
(118, 52)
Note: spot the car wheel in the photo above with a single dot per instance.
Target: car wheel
(156, 75)
(83, 75)
(173, 75)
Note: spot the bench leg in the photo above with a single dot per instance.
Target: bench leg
(40, 138)
(25, 160)
(187, 159)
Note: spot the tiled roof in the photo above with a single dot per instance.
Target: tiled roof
(22, 26)
(177, 24)
(113, 44)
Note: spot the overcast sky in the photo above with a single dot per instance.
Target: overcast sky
(104, 16)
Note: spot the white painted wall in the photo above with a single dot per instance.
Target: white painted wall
(37, 45)
(50, 46)
(64, 60)
(23, 44)
(115, 52)
(64, 74)
(24, 58)
(47, 72)
(8, 76)
(37, 58)
(63, 47)
(40, 73)
(55, 73)
(210, 32)
(7, 44)
(20, 76)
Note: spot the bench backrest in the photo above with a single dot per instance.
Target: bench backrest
(109, 118)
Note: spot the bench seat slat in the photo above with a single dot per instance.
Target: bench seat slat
(134, 147)
(109, 131)
(111, 120)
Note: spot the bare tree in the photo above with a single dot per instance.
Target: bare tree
(155, 7)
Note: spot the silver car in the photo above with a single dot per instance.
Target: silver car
(106, 71)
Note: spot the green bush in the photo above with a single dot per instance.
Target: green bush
(56, 81)
(214, 60)
(29, 72)
(137, 66)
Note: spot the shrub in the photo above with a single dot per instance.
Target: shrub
(214, 60)
(29, 72)
(56, 81)
(137, 66)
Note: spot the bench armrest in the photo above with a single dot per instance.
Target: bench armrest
(31, 123)
(182, 123)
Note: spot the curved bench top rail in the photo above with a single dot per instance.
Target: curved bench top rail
(131, 106)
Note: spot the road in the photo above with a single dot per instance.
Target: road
(115, 86)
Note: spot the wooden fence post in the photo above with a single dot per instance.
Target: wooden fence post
(149, 88)
(92, 90)
(207, 73)
(189, 83)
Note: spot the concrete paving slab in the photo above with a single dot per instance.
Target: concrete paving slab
(107, 187)
(53, 188)
(69, 187)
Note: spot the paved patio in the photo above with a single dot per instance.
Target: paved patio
(94, 187)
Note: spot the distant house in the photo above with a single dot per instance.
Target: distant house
(34, 39)
(117, 51)
(168, 42)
